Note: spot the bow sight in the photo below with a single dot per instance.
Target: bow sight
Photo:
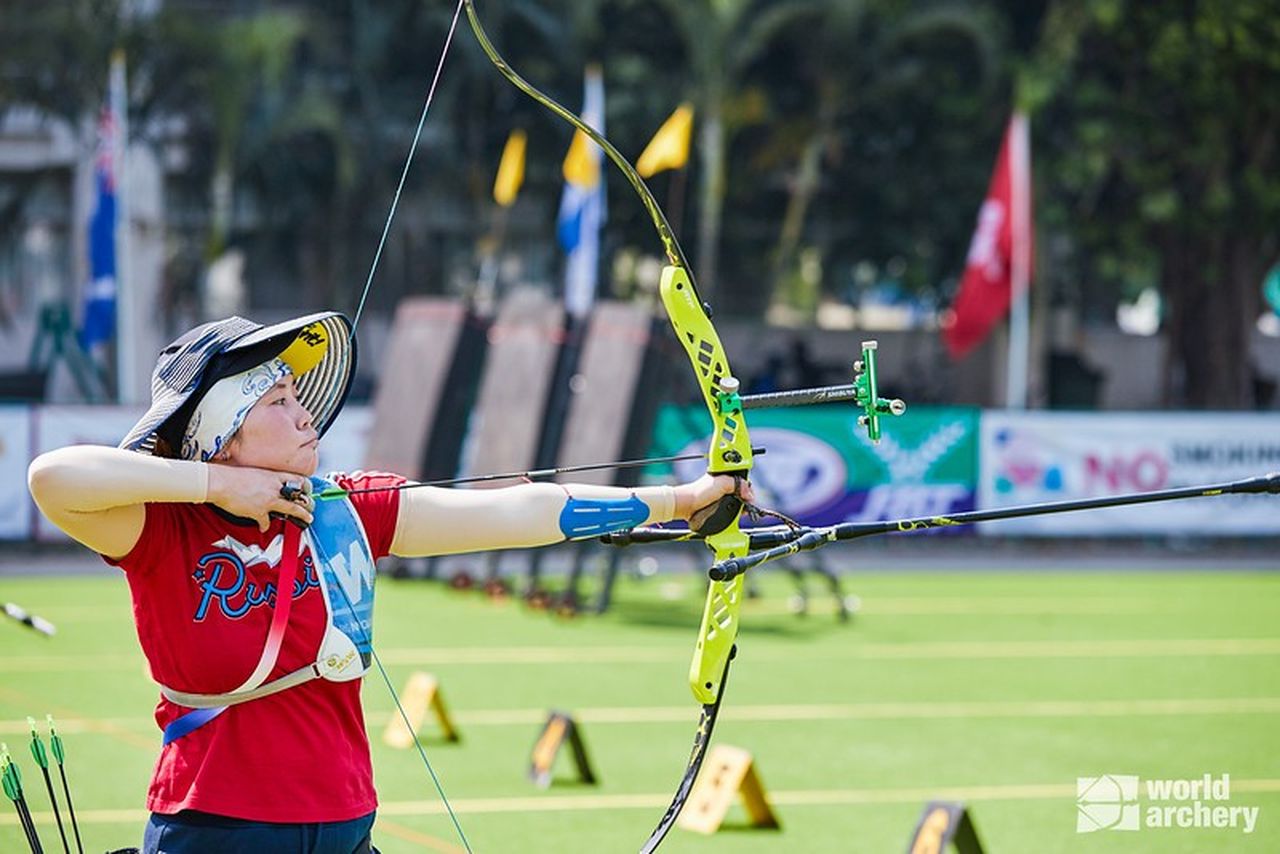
(864, 391)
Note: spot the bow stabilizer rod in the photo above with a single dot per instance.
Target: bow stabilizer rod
(805, 539)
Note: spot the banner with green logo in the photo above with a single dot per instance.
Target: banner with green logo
(821, 469)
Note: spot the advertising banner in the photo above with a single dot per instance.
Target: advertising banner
(16, 508)
(821, 469)
(1047, 456)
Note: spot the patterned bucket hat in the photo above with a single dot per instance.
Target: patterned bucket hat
(199, 358)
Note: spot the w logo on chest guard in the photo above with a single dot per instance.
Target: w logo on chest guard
(338, 540)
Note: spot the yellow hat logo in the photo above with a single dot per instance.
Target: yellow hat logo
(307, 349)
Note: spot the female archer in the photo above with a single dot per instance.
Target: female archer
(208, 507)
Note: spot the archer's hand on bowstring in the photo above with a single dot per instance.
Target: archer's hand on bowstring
(256, 494)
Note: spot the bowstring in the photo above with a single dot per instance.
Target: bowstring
(404, 173)
(364, 296)
(404, 716)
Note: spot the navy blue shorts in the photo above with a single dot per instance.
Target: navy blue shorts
(191, 832)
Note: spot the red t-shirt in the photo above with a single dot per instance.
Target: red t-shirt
(202, 617)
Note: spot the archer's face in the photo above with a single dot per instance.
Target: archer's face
(277, 434)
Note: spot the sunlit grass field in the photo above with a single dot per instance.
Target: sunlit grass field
(997, 689)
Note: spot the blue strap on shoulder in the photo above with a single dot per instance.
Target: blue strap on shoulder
(589, 517)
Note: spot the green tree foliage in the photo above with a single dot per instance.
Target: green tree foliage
(1160, 162)
(852, 134)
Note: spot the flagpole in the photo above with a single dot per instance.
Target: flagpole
(582, 204)
(1020, 265)
(126, 297)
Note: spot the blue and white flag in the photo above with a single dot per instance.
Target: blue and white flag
(98, 323)
(582, 204)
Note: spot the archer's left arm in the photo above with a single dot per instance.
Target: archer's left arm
(435, 521)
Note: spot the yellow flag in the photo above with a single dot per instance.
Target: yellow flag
(581, 166)
(510, 169)
(669, 148)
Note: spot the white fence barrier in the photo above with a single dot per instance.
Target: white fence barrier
(1049, 456)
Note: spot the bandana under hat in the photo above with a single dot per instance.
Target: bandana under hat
(224, 407)
(318, 349)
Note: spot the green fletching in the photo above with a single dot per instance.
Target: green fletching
(55, 740)
(12, 776)
(37, 746)
(10, 787)
(329, 493)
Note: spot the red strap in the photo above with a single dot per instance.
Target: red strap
(285, 581)
(284, 604)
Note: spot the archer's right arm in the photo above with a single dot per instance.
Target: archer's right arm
(98, 495)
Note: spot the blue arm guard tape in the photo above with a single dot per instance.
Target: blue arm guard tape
(589, 517)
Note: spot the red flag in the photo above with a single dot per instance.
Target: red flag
(1000, 253)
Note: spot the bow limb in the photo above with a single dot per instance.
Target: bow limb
(675, 255)
(730, 451)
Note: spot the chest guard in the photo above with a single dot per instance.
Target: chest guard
(345, 568)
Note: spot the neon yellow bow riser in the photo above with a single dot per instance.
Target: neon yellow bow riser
(730, 452)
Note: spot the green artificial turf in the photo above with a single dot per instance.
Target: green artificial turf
(998, 689)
